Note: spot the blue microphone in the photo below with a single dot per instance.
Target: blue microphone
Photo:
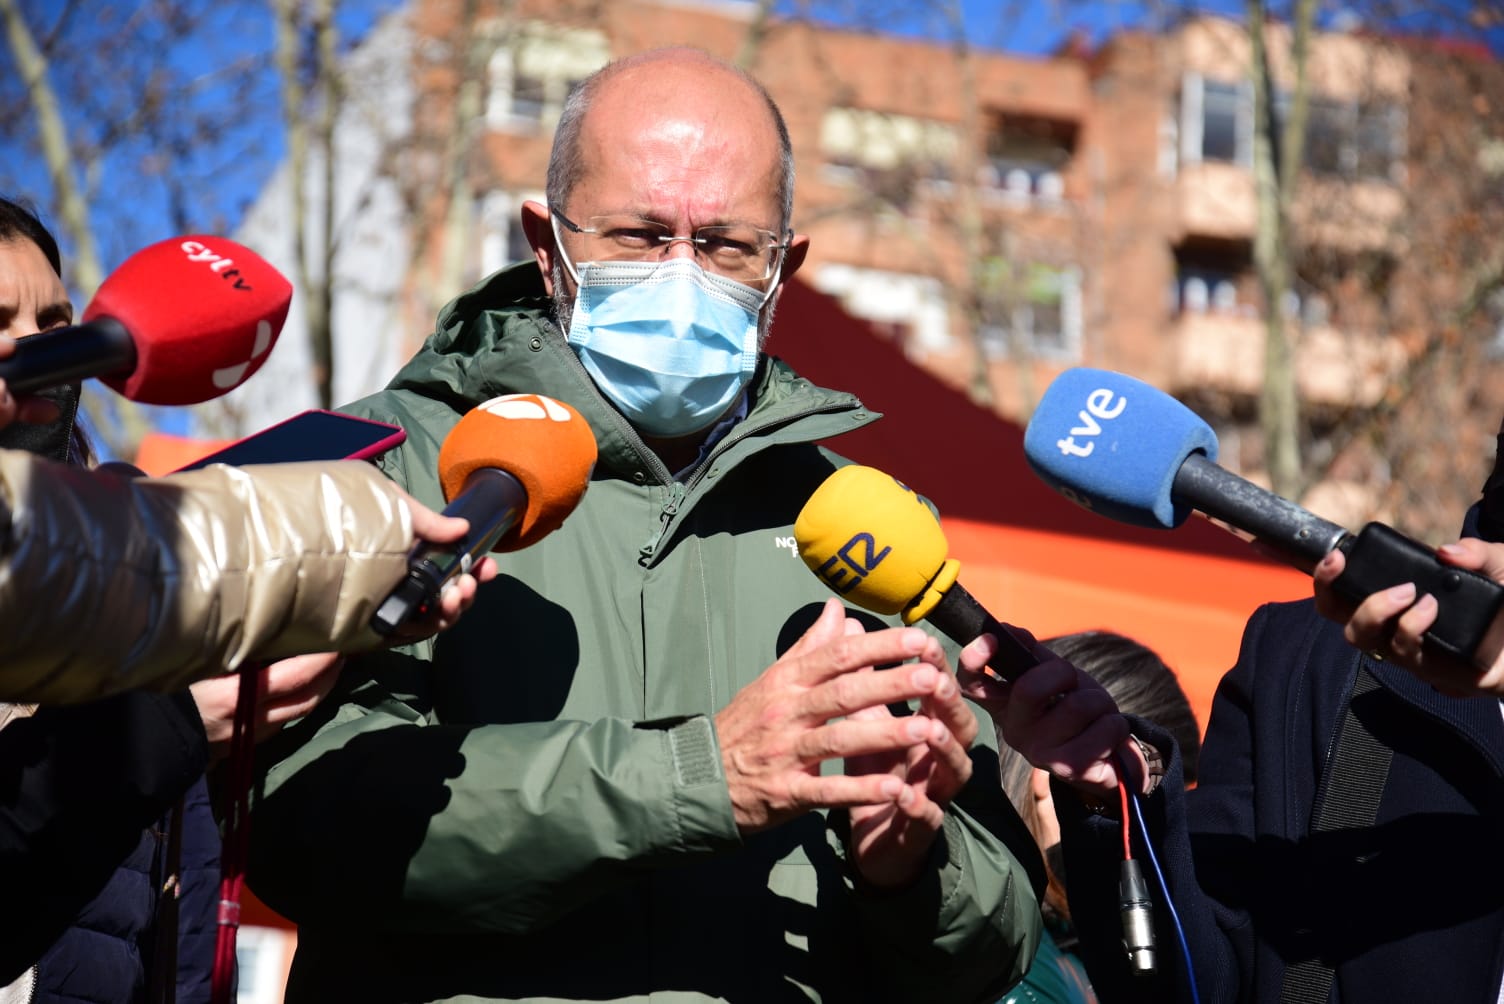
(1132, 453)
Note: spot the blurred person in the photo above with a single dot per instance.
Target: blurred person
(635, 771)
(111, 893)
(109, 583)
(1141, 684)
(1341, 765)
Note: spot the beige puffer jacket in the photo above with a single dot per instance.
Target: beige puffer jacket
(108, 583)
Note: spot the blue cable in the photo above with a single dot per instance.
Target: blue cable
(1185, 948)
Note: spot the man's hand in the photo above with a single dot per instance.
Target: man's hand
(890, 841)
(289, 689)
(1058, 717)
(1392, 622)
(778, 729)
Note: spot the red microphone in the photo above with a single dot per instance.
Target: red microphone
(514, 467)
(180, 322)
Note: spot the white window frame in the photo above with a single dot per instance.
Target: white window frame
(500, 223)
(996, 339)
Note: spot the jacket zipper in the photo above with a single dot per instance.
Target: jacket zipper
(680, 491)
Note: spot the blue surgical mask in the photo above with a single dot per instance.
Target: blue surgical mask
(671, 345)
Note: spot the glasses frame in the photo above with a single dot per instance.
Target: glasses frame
(775, 263)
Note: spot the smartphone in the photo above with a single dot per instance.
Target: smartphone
(311, 435)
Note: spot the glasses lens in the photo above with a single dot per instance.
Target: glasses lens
(614, 238)
(738, 251)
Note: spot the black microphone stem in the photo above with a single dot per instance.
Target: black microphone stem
(961, 618)
(1302, 537)
(95, 348)
(493, 501)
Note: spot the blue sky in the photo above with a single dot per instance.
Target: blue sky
(219, 180)
(1023, 26)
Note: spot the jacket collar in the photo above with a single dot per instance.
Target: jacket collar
(500, 338)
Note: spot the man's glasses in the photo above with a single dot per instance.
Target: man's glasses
(737, 251)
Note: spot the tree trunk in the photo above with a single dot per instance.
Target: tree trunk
(289, 49)
(130, 424)
(320, 310)
(1277, 154)
(969, 219)
(757, 30)
(459, 221)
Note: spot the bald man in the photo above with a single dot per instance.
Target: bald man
(652, 763)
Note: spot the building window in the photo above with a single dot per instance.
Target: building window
(1027, 156)
(1221, 108)
(534, 68)
(914, 304)
(502, 241)
(1343, 138)
(1380, 142)
(1349, 140)
(1328, 126)
(1216, 121)
(1493, 313)
(529, 98)
(1036, 310)
(886, 154)
(1210, 282)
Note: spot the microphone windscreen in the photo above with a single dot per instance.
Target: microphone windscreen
(203, 313)
(545, 444)
(1114, 444)
(871, 538)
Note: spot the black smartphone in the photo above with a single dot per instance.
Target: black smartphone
(310, 435)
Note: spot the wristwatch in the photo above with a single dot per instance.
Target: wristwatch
(1155, 761)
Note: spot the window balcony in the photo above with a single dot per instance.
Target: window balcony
(1226, 352)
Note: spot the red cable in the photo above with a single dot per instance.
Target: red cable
(238, 775)
(1123, 794)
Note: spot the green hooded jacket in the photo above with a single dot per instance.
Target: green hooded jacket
(531, 806)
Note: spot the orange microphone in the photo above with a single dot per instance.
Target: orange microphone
(514, 467)
(181, 321)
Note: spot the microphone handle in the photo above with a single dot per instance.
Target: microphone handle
(959, 616)
(95, 348)
(1468, 622)
(493, 501)
(1302, 537)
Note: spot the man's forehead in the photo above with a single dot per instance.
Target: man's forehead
(678, 157)
(686, 89)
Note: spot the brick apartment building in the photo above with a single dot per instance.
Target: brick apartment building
(1005, 216)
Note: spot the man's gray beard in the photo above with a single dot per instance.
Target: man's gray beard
(564, 305)
(563, 301)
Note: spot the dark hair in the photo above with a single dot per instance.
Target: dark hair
(1141, 684)
(19, 222)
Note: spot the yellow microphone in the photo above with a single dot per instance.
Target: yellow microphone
(873, 540)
